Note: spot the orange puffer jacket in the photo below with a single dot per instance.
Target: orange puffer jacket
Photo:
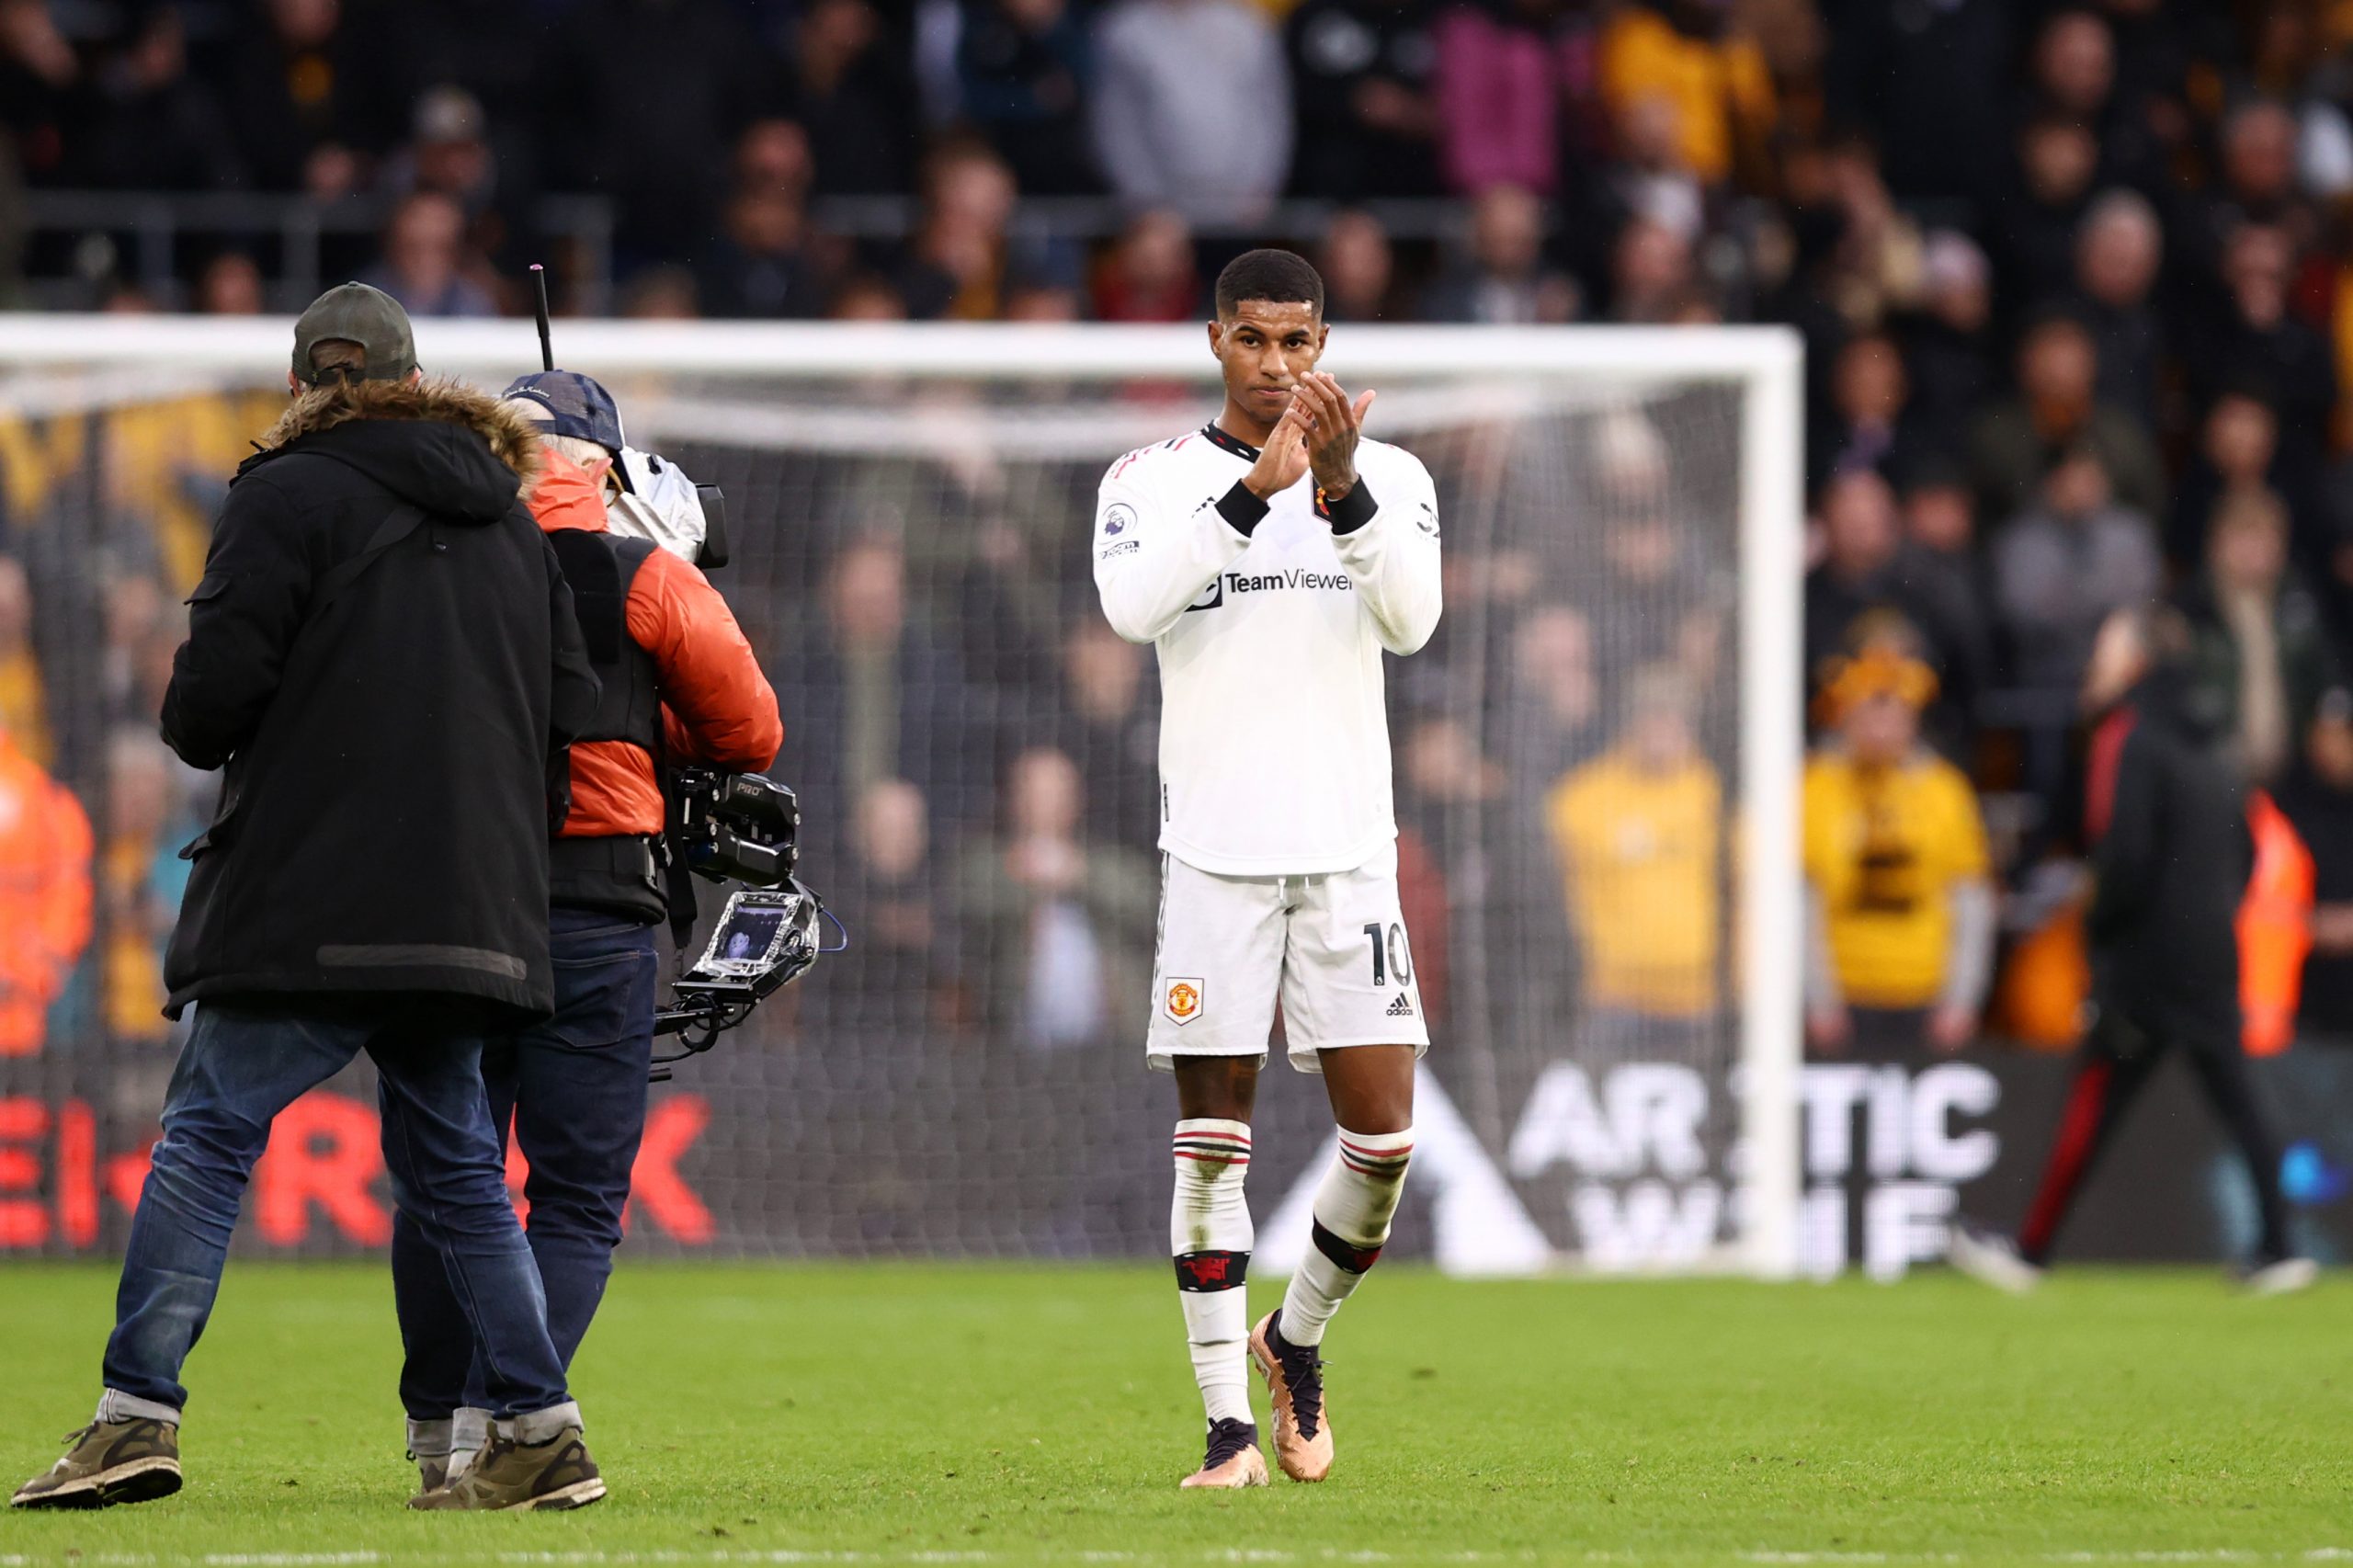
(717, 709)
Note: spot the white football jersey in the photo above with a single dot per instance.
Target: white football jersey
(1269, 619)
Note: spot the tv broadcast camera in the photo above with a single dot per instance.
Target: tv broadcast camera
(726, 827)
(739, 827)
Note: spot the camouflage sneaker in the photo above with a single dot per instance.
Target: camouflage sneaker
(110, 1461)
(432, 1470)
(557, 1474)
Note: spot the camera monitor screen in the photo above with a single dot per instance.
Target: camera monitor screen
(747, 936)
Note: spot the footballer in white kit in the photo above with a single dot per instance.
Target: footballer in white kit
(1271, 557)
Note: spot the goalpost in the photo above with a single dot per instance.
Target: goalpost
(1597, 758)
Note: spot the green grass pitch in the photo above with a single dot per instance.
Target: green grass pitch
(1011, 1415)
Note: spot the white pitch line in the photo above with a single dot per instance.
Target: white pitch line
(1227, 1555)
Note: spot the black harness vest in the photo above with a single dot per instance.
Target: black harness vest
(618, 874)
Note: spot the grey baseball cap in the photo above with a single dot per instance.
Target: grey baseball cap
(356, 313)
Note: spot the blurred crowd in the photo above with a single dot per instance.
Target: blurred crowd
(2075, 281)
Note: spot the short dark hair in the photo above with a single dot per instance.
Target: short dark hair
(1277, 276)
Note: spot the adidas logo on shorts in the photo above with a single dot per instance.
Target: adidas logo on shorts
(1403, 1007)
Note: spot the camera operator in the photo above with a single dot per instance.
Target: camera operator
(679, 684)
(383, 653)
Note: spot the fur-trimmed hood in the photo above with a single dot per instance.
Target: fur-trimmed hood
(440, 444)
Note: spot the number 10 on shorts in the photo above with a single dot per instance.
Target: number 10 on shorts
(1390, 953)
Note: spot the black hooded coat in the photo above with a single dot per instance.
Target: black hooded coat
(382, 654)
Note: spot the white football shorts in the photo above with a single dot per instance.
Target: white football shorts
(1333, 947)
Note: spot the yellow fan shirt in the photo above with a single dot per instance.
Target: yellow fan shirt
(1883, 849)
(1643, 856)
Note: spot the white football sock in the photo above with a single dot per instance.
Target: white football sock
(1353, 1209)
(1210, 1232)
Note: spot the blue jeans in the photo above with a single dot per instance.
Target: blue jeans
(574, 1088)
(242, 1065)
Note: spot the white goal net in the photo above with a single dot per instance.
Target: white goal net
(1597, 761)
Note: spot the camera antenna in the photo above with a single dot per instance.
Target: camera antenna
(539, 279)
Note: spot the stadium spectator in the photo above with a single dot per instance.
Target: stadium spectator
(1361, 78)
(955, 264)
(1502, 71)
(1868, 565)
(2255, 340)
(230, 286)
(2034, 236)
(2063, 565)
(1061, 928)
(1898, 934)
(1947, 349)
(1553, 706)
(2290, 56)
(313, 93)
(1148, 276)
(1043, 300)
(1919, 80)
(852, 86)
(39, 74)
(140, 882)
(449, 151)
(2117, 249)
(1646, 586)
(665, 293)
(1107, 724)
(2238, 449)
(12, 224)
(2055, 413)
(24, 700)
(863, 295)
(1023, 69)
(154, 125)
(2317, 797)
(45, 894)
(1637, 836)
(2259, 657)
(1357, 266)
(1868, 425)
(1548, 723)
(1685, 52)
(120, 296)
(1874, 264)
(639, 99)
(134, 623)
(2255, 187)
(1651, 278)
(902, 973)
(762, 265)
(2073, 76)
(425, 264)
(773, 154)
(1442, 775)
(1504, 280)
(1647, 178)
(1943, 562)
(1208, 144)
(876, 696)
